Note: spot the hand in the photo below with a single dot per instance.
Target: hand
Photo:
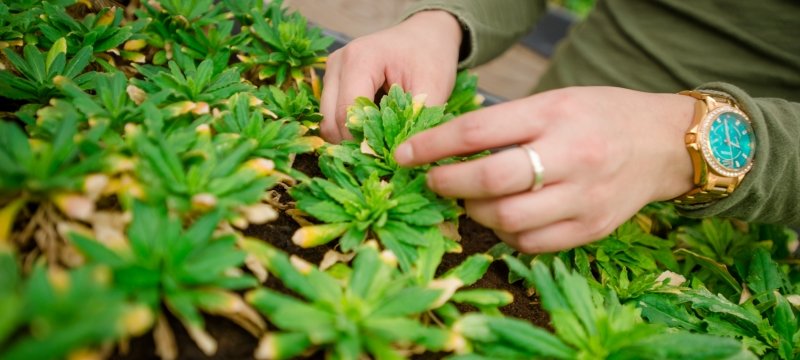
(420, 54)
(606, 153)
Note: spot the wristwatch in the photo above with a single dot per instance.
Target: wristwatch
(721, 145)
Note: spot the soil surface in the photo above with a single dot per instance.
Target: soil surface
(236, 343)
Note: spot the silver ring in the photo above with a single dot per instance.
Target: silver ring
(538, 168)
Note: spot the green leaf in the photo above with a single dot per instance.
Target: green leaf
(96, 251)
(549, 293)
(764, 275)
(78, 62)
(684, 345)
(786, 325)
(716, 268)
(59, 47)
(366, 268)
(395, 330)
(327, 211)
(409, 203)
(531, 339)
(202, 230)
(287, 345)
(19, 63)
(405, 253)
(403, 233)
(36, 62)
(352, 238)
(279, 265)
(301, 317)
(411, 300)
(665, 309)
(702, 299)
(471, 269)
(422, 217)
(483, 297)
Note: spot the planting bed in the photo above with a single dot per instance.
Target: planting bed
(236, 343)
(164, 193)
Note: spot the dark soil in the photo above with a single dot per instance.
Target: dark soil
(236, 343)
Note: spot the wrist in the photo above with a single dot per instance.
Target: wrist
(677, 171)
(440, 26)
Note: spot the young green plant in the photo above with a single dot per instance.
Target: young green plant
(283, 46)
(55, 313)
(187, 269)
(35, 72)
(591, 324)
(396, 212)
(373, 310)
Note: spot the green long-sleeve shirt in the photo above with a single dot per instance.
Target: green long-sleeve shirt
(747, 49)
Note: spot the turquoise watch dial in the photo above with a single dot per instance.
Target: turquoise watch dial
(731, 142)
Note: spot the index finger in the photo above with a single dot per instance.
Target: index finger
(361, 75)
(492, 127)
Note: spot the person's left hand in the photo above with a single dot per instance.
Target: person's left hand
(606, 153)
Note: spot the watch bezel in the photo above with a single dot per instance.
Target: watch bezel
(709, 157)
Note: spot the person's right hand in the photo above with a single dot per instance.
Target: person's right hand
(420, 54)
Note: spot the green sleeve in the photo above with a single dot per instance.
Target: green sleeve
(770, 192)
(491, 26)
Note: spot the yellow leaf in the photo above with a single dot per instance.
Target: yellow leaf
(314, 235)
(7, 216)
(134, 45)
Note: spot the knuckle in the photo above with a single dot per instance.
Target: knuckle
(472, 131)
(335, 56)
(490, 183)
(436, 180)
(562, 101)
(508, 218)
(530, 245)
(598, 227)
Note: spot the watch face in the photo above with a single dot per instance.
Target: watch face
(730, 142)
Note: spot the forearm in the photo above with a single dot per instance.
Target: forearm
(770, 192)
(491, 26)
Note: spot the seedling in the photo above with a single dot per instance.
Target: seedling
(56, 313)
(189, 270)
(278, 140)
(628, 261)
(396, 212)
(201, 174)
(55, 171)
(9, 34)
(243, 10)
(379, 130)
(283, 46)
(102, 31)
(763, 319)
(173, 22)
(590, 324)
(375, 310)
(215, 42)
(295, 105)
(36, 71)
(197, 85)
(111, 105)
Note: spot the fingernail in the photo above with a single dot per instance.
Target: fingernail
(429, 181)
(404, 153)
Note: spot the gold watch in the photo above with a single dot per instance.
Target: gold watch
(721, 145)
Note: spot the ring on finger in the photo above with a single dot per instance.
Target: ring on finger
(538, 168)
